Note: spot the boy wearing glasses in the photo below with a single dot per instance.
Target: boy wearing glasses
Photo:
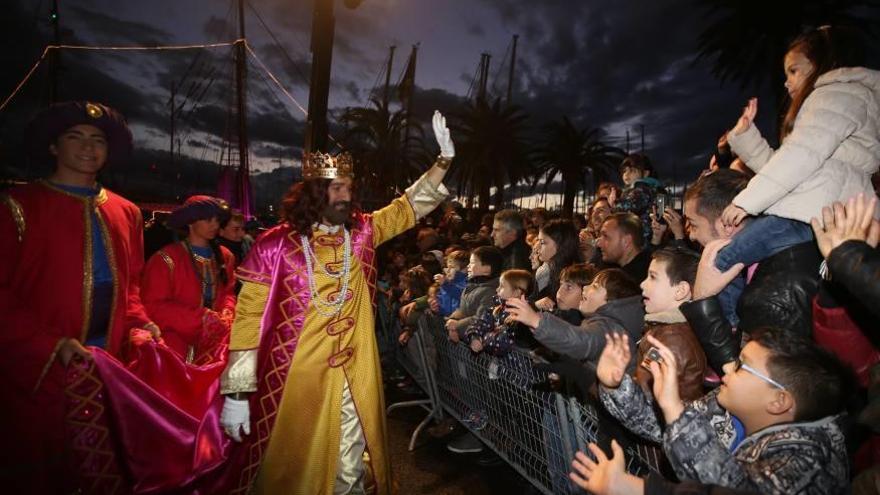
(786, 392)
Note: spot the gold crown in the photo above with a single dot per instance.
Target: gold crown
(319, 165)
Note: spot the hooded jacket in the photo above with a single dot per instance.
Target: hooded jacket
(829, 155)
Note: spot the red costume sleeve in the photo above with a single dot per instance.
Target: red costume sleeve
(157, 292)
(136, 314)
(28, 344)
(226, 293)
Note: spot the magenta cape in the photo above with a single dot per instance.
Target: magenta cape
(150, 427)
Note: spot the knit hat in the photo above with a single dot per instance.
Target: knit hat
(195, 208)
(45, 128)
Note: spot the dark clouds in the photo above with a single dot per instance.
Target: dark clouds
(620, 65)
(614, 65)
(110, 29)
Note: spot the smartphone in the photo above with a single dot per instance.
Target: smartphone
(661, 202)
(653, 354)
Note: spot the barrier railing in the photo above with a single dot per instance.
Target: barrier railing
(534, 430)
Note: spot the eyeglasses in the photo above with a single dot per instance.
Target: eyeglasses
(738, 364)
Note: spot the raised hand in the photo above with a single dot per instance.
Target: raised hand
(604, 476)
(665, 371)
(747, 117)
(710, 280)
(545, 303)
(657, 228)
(675, 222)
(441, 132)
(853, 222)
(614, 360)
(519, 310)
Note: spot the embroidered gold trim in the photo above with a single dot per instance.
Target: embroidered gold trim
(49, 363)
(246, 275)
(111, 258)
(17, 215)
(100, 198)
(240, 374)
(168, 261)
(88, 276)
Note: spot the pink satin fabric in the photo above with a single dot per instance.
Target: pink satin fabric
(152, 426)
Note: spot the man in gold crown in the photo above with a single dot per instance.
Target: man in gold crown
(303, 385)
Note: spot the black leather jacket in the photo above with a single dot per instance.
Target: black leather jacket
(856, 266)
(780, 294)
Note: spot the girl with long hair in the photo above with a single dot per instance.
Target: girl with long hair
(830, 147)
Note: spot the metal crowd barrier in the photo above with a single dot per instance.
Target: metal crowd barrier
(535, 431)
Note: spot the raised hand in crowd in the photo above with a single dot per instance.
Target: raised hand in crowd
(673, 223)
(520, 310)
(614, 360)
(665, 372)
(658, 230)
(441, 133)
(747, 117)
(545, 304)
(71, 348)
(605, 476)
(710, 280)
(853, 222)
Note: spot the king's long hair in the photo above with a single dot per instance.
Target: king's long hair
(304, 203)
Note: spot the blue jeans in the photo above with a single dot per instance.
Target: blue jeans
(758, 240)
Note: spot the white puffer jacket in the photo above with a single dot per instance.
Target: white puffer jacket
(829, 155)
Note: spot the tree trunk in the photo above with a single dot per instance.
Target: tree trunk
(569, 193)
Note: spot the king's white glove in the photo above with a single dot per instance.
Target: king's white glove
(235, 417)
(441, 132)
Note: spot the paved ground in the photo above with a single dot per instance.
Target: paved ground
(432, 469)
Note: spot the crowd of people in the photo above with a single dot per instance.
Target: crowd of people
(737, 335)
(731, 334)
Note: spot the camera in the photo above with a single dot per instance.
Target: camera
(653, 354)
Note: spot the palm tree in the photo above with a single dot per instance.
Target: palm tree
(746, 40)
(578, 156)
(387, 156)
(491, 150)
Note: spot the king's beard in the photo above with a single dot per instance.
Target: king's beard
(337, 213)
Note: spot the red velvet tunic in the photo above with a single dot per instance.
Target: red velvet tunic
(45, 296)
(172, 293)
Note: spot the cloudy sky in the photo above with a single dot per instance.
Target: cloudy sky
(613, 64)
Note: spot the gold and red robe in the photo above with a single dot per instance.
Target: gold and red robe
(303, 365)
